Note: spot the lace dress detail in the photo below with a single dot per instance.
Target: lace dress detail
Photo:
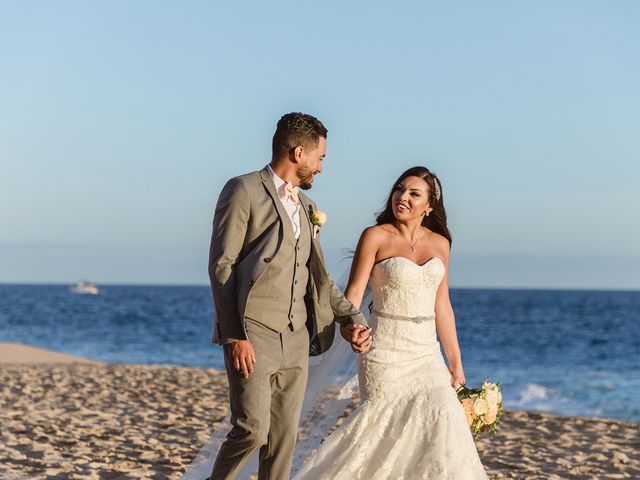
(410, 424)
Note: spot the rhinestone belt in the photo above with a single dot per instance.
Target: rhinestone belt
(393, 316)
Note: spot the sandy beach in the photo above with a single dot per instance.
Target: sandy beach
(67, 417)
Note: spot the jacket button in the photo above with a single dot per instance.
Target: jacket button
(267, 259)
(251, 283)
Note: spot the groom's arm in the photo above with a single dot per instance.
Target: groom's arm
(351, 321)
(229, 228)
(344, 311)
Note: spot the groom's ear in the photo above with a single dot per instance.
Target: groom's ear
(296, 154)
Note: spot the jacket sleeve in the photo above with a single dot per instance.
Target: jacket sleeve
(344, 311)
(229, 228)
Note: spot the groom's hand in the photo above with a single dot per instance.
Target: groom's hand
(242, 356)
(358, 336)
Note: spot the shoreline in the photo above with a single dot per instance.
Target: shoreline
(89, 420)
(22, 354)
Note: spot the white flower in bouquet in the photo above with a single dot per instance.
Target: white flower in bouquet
(492, 387)
(491, 396)
(480, 406)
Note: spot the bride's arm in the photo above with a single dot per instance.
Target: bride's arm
(446, 326)
(361, 266)
(363, 261)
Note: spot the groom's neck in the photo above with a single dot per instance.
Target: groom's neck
(285, 170)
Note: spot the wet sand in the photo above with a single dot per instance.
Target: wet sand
(75, 419)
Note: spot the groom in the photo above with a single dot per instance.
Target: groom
(275, 302)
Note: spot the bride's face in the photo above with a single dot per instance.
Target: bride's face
(410, 199)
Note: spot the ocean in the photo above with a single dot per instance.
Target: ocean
(559, 351)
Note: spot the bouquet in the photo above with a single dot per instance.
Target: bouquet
(482, 406)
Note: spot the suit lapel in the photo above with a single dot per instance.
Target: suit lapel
(305, 205)
(271, 189)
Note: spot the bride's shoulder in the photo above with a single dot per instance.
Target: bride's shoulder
(439, 242)
(377, 231)
(374, 236)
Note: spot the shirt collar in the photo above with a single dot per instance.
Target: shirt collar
(277, 181)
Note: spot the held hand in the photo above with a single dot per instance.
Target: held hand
(358, 336)
(363, 342)
(457, 377)
(242, 356)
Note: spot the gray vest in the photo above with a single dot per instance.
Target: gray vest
(276, 300)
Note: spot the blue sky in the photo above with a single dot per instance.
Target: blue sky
(121, 121)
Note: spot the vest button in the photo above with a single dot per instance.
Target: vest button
(297, 264)
(295, 282)
(267, 259)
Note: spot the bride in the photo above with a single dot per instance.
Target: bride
(410, 424)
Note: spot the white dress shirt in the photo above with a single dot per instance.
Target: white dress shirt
(292, 208)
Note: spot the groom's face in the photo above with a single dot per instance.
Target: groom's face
(310, 163)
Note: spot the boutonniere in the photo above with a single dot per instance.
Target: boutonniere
(318, 218)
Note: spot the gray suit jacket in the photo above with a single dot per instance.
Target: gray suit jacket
(247, 228)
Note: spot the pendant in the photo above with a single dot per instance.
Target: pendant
(413, 249)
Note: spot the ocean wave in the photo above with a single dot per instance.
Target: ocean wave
(531, 392)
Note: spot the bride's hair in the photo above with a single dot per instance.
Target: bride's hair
(436, 221)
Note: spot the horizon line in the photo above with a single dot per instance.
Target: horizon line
(467, 287)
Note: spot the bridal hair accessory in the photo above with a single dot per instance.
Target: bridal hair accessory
(436, 183)
(318, 218)
(482, 406)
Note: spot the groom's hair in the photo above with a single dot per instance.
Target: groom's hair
(297, 129)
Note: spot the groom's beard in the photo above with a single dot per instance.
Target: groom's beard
(305, 174)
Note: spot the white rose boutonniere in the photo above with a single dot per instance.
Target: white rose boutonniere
(318, 218)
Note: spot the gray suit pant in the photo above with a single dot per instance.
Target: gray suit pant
(265, 408)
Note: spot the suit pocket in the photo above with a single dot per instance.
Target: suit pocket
(261, 289)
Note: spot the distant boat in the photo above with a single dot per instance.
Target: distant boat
(85, 288)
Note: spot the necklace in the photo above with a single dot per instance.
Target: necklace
(412, 247)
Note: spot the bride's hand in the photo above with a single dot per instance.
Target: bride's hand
(358, 336)
(457, 377)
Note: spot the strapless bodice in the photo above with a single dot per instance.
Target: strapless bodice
(404, 288)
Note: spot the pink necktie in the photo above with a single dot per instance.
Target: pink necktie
(291, 192)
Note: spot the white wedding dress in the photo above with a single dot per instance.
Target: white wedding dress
(410, 424)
